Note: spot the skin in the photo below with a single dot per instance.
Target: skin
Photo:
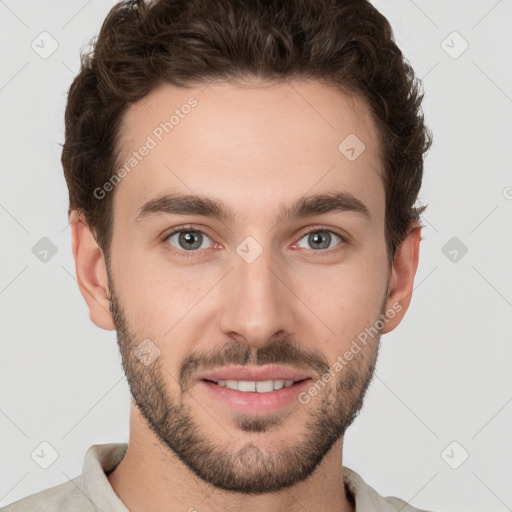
(254, 148)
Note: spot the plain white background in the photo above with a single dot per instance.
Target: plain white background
(443, 386)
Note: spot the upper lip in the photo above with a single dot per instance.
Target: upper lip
(260, 373)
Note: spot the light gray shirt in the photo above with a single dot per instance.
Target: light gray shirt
(91, 491)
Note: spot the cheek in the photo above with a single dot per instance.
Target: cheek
(141, 292)
(347, 299)
(159, 299)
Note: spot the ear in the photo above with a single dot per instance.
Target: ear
(402, 278)
(91, 272)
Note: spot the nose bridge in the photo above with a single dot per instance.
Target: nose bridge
(256, 305)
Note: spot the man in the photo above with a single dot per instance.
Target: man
(242, 178)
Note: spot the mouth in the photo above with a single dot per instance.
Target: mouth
(254, 386)
(256, 397)
(246, 377)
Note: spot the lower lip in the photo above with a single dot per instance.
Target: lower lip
(254, 402)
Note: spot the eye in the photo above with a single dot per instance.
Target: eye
(320, 239)
(188, 240)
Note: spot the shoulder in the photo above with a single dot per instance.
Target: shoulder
(69, 496)
(368, 499)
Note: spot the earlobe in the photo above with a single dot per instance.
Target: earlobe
(401, 281)
(91, 272)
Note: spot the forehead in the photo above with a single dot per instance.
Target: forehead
(255, 146)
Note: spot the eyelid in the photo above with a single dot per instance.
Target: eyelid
(309, 229)
(185, 227)
(345, 237)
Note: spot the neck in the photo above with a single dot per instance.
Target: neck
(152, 477)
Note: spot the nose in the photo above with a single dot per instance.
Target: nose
(257, 303)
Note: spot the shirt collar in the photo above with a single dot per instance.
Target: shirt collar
(99, 460)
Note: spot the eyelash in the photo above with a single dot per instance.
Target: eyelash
(184, 229)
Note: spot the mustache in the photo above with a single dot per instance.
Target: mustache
(235, 353)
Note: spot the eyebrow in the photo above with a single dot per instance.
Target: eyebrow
(308, 206)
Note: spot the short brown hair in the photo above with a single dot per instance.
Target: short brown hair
(346, 44)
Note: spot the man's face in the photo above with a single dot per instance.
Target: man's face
(253, 290)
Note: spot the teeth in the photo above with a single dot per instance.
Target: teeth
(251, 386)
